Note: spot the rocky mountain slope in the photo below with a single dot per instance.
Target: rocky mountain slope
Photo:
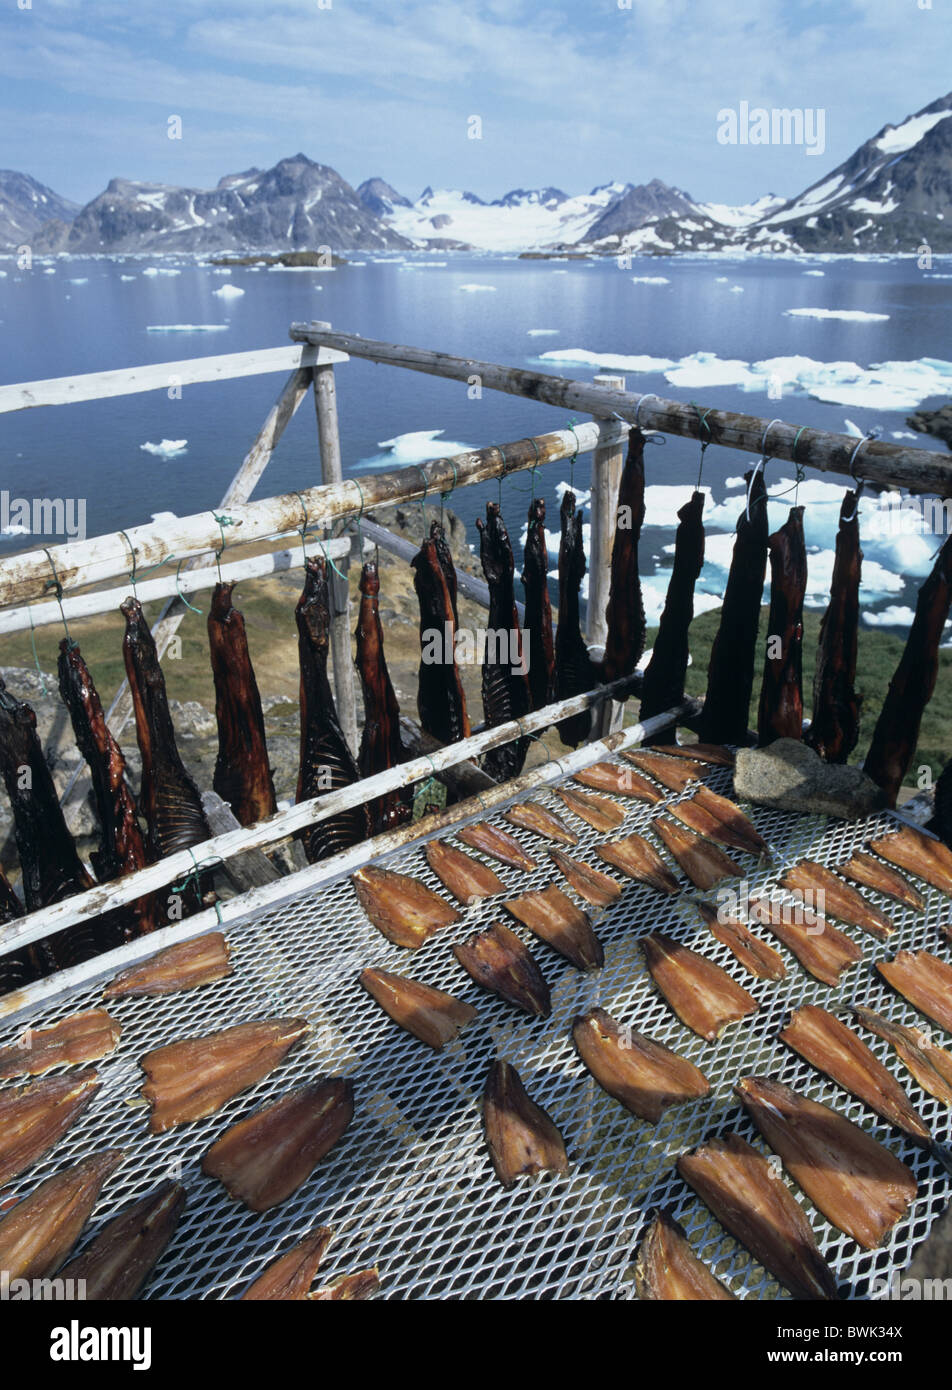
(26, 205)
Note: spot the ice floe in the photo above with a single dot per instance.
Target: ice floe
(478, 289)
(228, 292)
(847, 315)
(417, 446)
(187, 327)
(166, 448)
(650, 280)
(543, 332)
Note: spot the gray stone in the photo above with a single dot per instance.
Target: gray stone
(789, 776)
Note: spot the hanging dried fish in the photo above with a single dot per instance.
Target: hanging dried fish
(242, 772)
(664, 679)
(538, 623)
(505, 683)
(625, 613)
(575, 672)
(781, 696)
(834, 730)
(440, 699)
(381, 747)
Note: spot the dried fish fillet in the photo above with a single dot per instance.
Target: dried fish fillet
(497, 844)
(638, 858)
(714, 753)
(600, 812)
(431, 1015)
(703, 863)
(759, 1210)
(929, 1064)
(704, 997)
(191, 1079)
(838, 898)
(622, 781)
(351, 1288)
(827, 1044)
(857, 1184)
(497, 960)
(290, 1276)
(84, 1037)
(753, 953)
(918, 854)
(822, 949)
(557, 921)
(698, 818)
(873, 873)
(591, 884)
(34, 1118)
(466, 878)
(746, 835)
(38, 1233)
(667, 1269)
(925, 980)
(646, 1077)
(531, 816)
(405, 910)
(674, 773)
(183, 966)
(118, 1261)
(266, 1157)
(521, 1137)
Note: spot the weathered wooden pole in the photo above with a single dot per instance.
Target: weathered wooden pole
(607, 465)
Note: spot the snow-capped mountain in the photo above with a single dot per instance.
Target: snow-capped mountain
(25, 205)
(380, 198)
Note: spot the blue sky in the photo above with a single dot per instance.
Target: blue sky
(570, 92)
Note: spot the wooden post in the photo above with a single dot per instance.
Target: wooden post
(607, 465)
(332, 471)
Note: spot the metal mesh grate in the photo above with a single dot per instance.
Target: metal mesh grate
(410, 1187)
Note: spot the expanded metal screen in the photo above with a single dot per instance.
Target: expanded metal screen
(410, 1187)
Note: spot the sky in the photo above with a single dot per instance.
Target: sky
(569, 93)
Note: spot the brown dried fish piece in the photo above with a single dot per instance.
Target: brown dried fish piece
(521, 1136)
(822, 949)
(431, 1015)
(838, 897)
(674, 773)
(827, 1044)
(557, 921)
(38, 1233)
(404, 909)
(497, 960)
(529, 815)
(645, 1076)
(753, 953)
(925, 980)
(351, 1288)
(873, 873)
(703, 863)
(488, 839)
(714, 753)
(186, 965)
(858, 1185)
(918, 854)
(758, 1209)
(929, 1064)
(704, 997)
(600, 812)
(34, 1118)
(638, 858)
(84, 1037)
(267, 1156)
(746, 835)
(591, 884)
(191, 1079)
(117, 1262)
(698, 818)
(466, 878)
(622, 781)
(290, 1276)
(668, 1270)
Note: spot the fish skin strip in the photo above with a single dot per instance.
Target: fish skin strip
(591, 884)
(187, 965)
(268, 1155)
(714, 753)
(733, 819)
(695, 816)
(925, 980)
(575, 671)
(118, 1261)
(822, 949)
(918, 854)
(80, 1038)
(537, 625)
(665, 673)
(618, 780)
(758, 1209)
(625, 610)
(441, 700)
(834, 728)
(191, 1079)
(497, 844)
(243, 776)
(840, 899)
(857, 1184)
(646, 1077)
(288, 1278)
(753, 953)
(402, 908)
(499, 962)
(928, 1064)
(872, 873)
(667, 1269)
(381, 745)
(350, 1288)
(466, 878)
(780, 708)
(704, 997)
(637, 857)
(836, 1051)
(34, 1118)
(38, 1233)
(521, 1137)
(600, 812)
(532, 816)
(555, 919)
(673, 773)
(429, 1014)
(703, 863)
(504, 678)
